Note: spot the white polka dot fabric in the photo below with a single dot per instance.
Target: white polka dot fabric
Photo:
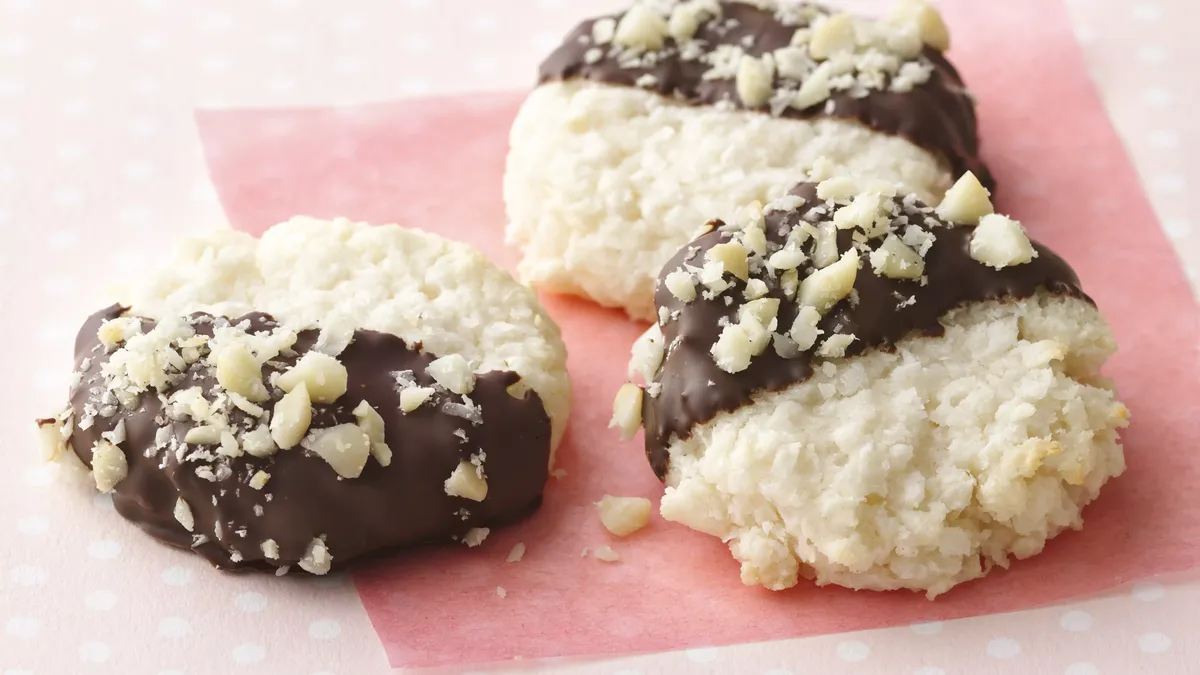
(96, 136)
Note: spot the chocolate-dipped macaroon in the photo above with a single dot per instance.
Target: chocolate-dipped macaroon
(850, 386)
(327, 392)
(647, 122)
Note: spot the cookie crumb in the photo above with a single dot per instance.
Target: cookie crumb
(517, 552)
(606, 554)
(623, 516)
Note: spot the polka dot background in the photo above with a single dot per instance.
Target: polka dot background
(100, 167)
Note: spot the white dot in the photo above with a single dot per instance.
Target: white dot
(94, 652)
(281, 84)
(482, 23)
(33, 525)
(778, 671)
(19, 671)
(1076, 621)
(285, 4)
(42, 475)
(23, 627)
(173, 627)
(1157, 96)
(1164, 139)
(928, 628)
(217, 22)
(67, 196)
(1081, 669)
(70, 152)
(135, 215)
(929, 670)
(415, 86)
(58, 286)
(1154, 643)
(351, 22)
(84, 65)
(483, 65)
(9, 129)
(1003, 648)
(1151, 54)
(545, 42)
(853, 651)
(417, 4)
(145, 84)
(416, 44)
(702, 655)
(177, 576)
(148, 43)
(550, 4)
(100, 600)
(324, 629)
(77, 107)
(143, 127)
(139, 171)
(349, 65)
(103, 501)
(84, 24)
(104, 549)
(1172, 183)
(1147, 11)
(250, 602)
(214, 64)
(248, 654)
(14, 44)
(170, 672)
(1149, 591)
(283, 41)
(11, 87)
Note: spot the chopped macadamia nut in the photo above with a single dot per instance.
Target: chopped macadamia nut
(501, 592)
(291, 417)
(866, 212)
(517, 552)
(475, 536)
(372, 425)
(837, 188)
(804, 330)
(681, 285)
(604, 30)
(108, 466)
(1000, 242)
(732, 257)
(204, 435)
(183, 514)
(53, 435)
(895, 260)
(755, 289)
(825, 287)
(466, 482)
(258, 442)
(685, 20)
(641, 28)
(454, 373)
(762, 311)
(270, 549)
(647, 354)
(412, 398)
(627, 410)
(754, 80)
(966, 201)
(787, 259)
(259, 480)
(323, 375)
(825, 250)
(239, 372)
(789, 283)
(623, 515)
(606, 554)
(738, 344)
(834, 347)
(814, 90)
(344, 447)
(834, 34)
(317, 559)
(115, 331)
(927, 20)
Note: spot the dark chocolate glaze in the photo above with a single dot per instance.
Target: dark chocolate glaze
(694, 389)
(938, 115)
(385, 507)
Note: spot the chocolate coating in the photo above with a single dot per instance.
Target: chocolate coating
(938, 115)
(694, 389)
(401, 504)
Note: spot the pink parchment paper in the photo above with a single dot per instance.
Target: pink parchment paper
(437, 165)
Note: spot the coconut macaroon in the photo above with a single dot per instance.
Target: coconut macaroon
(647, 122)
(850, 386)
(326, 392)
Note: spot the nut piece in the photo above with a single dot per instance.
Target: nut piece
(834, 34)
(866, 212)
(739, 343)
(517, 552)
(323, 375)
(1000, 242)
(204, 435)
(292, 415)
(762, 311)
(786, 259)
(754, 81)
(681, 285)
(685, 21)
(317, 559)
(647, 354)
(825, 249)
(928, 21)
(804, 330)
(965, 202)
(258, 442)
(623, 515)
(183, 514)
(837, 188)
(115, 331)
(835, 346)
(259, 480)
(454, 373)
(270, 549)
(895, 260)
(239, 372)
(732, 256)
(603, 31)
(475, 536)
(641, 28)
(825, 287)
(466, 482)
(627, 410)
(412, 398)
(345, 447)
(606, 554)
(108, 465)
(53, 434)
(372, 425)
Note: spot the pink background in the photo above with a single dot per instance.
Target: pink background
(83, 591)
